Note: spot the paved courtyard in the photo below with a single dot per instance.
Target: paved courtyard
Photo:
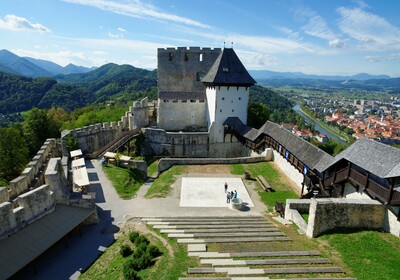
(210, 192)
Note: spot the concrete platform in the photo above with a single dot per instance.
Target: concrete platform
(197, 247)
(210, 192)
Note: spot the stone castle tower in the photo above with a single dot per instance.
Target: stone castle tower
(198, 90)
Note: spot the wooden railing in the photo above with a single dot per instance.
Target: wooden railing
(358, 177)
(379, 191)
(395, 198)
(342, 174)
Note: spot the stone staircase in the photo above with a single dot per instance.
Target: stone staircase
(197, 232)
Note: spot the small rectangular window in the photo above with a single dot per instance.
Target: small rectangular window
(240, 98)
(220, 110)
(184, 101)
(201, 57)
(223, 98)
(192, 100)
(175, 101)
(186, 57)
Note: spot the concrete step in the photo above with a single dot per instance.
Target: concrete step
(165, 226)
(232, 262)
(254, 254)
(189, 219)
(233, 240)
(220, 230)
(222, 222)
(260, 271)
(228, 234)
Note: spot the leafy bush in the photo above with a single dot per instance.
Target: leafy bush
(141, 239)
(153, 251)
(125, 251)
(133, 235)
(129, 271)
(143, 262)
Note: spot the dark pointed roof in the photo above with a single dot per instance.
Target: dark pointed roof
(228, 70)
(377, 158)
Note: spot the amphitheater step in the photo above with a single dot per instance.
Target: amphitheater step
(229, 234)
(220, 230)
(254, 254)
(233, 240)
(206, 226)
(189, 219)
(231, 262)
(222, 222)
(258, 271)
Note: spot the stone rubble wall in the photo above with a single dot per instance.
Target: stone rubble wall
(327, 214)
(33, 175)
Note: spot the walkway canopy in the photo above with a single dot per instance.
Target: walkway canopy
(23, 247)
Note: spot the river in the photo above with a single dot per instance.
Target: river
(317, 126)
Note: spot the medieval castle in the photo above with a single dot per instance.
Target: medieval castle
(201, 117)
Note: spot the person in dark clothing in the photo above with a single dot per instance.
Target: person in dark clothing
(226, 187)
(228, 197)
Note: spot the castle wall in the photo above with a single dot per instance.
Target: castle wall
(33, 175)
(185, 114)
(190, 144)
(26, 209)
(327, 214)
(181, 69)
(138, 115)
(289, 170)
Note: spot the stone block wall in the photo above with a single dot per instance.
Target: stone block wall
(327, 214)
(56, 179)
(33, 174)
(181, 69)
(290, 171)
(27, 208)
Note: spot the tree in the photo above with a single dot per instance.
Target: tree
(257, 115)
(38, 127)
(13, 151)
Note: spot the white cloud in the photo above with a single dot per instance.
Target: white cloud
(121, 29)
(254, 60)
(99, 52)
(15, 23)
(372, 30)
(393, 56)
(135, 8)
(317, 27)
(114, 35)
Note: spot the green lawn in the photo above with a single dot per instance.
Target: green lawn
(152, 170)
(162, 185)
(126, 181)
(265, 169)
(109, 265)
(369, 254)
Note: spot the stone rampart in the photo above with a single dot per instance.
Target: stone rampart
(26, 209)
(295, 175)
(327, 214)
(166, 163)
(56, 179)
(93, 137)
(33, 175)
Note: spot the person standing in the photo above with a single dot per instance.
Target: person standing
(235, 194)
(228, 197)
(226, 187)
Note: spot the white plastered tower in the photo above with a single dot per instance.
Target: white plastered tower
(227, 92)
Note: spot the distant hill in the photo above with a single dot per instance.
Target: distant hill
(267, 75)
(31, 67)
(21, 65)
(19, 93)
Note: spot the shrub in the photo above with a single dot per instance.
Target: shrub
(144, 261)
(133, 235)
(129, 271)
(153, 251)
(141, 239)
(125, 251)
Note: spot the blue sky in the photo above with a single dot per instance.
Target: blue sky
(311, 36)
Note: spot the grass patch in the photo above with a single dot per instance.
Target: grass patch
(162, 185)
(369, 254)
(4, 183)
(152, 170)
(125, 181)
(305, 216)
(170, 268)
(282, 191)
